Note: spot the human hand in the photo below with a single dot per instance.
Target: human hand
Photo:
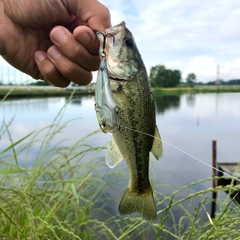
(53, 40)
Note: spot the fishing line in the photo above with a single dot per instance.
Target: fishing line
(169, 144)
(181, 150)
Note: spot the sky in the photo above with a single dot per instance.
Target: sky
(187, 35)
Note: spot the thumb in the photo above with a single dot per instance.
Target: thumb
(91, 12)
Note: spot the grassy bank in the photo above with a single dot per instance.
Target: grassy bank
(41, 92)
(63, 194)
(181, 90)
(49, 92)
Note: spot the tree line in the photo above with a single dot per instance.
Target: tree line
(221, 82)
(160, 76)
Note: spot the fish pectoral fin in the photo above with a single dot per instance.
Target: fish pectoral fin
(113, 155)
(157, 149)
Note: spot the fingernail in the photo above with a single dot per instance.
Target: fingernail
(58, 35)
(39, 56)
(84, 38)
(54, 53)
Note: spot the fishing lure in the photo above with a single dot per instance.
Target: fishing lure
(105, 106)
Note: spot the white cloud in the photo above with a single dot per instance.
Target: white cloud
(116, 17)
(186, 35)
(205, 67)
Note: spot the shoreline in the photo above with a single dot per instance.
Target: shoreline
(10, 93)
(15, 92)
(197, 89)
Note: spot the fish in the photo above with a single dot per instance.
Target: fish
(138, 134)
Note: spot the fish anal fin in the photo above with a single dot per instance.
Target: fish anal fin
(143, 203)
(157, 149)
(113, 156)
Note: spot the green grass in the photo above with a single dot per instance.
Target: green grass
(63, 195)
(197, 89)
(42, 92)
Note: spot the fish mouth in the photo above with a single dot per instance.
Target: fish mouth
(113, 73)
(116, 79)
(117, 28)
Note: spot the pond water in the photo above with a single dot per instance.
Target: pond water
(188, 122)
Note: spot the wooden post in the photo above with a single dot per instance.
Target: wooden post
(214, 173)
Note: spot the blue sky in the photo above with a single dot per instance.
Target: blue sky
(191, 36)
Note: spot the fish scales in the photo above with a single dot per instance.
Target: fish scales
(133, 142)
(135, 146)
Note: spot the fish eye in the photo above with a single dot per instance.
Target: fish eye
(117, 110)
(128, 41)
(103, 125)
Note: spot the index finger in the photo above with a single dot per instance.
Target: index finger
(92, 12)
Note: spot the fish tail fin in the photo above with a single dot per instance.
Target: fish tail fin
(143, 203)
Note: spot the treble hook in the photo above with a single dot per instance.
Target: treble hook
(104, 40)
(119, 128)
(122, 131)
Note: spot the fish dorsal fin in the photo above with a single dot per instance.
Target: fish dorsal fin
(113, 155)
(157, 149)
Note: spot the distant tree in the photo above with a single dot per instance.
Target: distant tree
(155, 75)
(191, 79)
(233, 82)
(40, 83)
(162, 77)
(176, 77)
(222, 82)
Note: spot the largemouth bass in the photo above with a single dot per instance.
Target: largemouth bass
(134, 140)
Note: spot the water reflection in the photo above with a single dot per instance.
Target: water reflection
(77, 101)
(27, 105)
(191, 99)
(164, 102)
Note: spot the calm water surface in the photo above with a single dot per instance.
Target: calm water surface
(189, 122)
